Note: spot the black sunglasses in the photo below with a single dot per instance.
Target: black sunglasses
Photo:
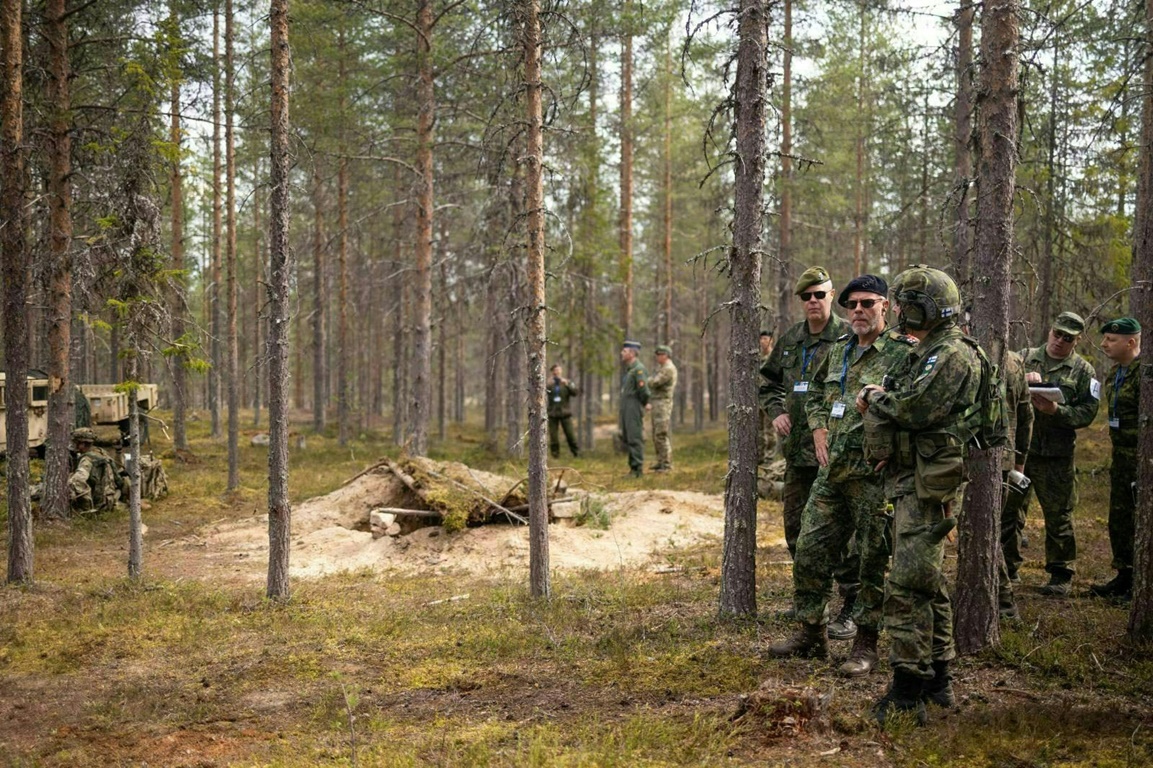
(818, 295)
(865, 303)
(1065, 337)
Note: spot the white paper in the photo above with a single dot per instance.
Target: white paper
(1049, 393)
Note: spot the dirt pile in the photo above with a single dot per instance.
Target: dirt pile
(333, 533)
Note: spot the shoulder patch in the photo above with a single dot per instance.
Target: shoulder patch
(1095, 389)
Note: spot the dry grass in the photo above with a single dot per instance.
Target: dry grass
(618, 668)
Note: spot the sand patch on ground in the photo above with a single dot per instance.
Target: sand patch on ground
(332, 533)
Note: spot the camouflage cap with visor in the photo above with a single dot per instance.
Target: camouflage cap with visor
(663, 349)
(810, 277)
(1070, 323)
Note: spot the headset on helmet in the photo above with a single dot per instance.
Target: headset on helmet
(927, 297)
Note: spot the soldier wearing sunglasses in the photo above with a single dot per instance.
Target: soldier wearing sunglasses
(1050, 464)
(787, 376)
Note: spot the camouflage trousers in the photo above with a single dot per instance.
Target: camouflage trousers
(662, 422)
(1122, 503)
(836, 514)
(798, 485)
(1055, 483)
(918, 612)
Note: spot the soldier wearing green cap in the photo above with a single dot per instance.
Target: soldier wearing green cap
(1121, 343)
(1050, 465)
(662, 384)
(634, 398)
(786, 378)
(95, 485)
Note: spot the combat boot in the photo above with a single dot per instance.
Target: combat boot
(904, 695)
(1060, 584)
(1121, 586)
(810, 642)
(1007, 603)
(939, 690)
(863, 657)
(843, 627)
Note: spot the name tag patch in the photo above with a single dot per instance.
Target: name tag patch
(1114, 423)
(838, 410)
(801, 387)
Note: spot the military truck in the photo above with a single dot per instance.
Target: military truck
(102, 402)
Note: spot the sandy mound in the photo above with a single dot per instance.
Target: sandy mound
(331, 533)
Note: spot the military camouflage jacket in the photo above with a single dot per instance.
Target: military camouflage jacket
(1056, 435)
(1121, 394)
(833, 394)
(633, 384)
(1018, 412)
(558, 394)
(787, 376)
(935, 383)
(663, 381)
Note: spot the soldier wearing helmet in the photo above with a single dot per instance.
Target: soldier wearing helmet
(94, 486)
(936, 382)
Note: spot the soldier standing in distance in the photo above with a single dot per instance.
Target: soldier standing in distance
(848, 497)
(1121, 342)
(786, 378)
(634, 398)
(1050, 464)
(662, 384)
(934, 386)
(559, 392)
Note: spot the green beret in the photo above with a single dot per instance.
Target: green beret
(811, 276)
(663, 349)
(1122, 326)
(1070, 323)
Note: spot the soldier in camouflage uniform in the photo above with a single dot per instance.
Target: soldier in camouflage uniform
(768, 435)
(1019, 424)
(662, 384)
(1050, 466)
(559, 391)
(786, 377)
(934, 387)
(848, 497)
(95, 485)
(634, 398)
(1121, 342)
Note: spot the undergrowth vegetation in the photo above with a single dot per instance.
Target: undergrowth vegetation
(623, 667)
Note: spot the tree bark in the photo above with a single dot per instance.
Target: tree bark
(963, 142)
(177, 307)
(233, 368)
(343, 352)
(738, 566)
(784, 268)
(279, 511)
(422, 308)
(132, 461)
(60, 399)
(319, 308)
(1140, 628)
(535, 312)
(979, 538)
(666, 329)
(14, 249)
(217, 230)
(626, 173)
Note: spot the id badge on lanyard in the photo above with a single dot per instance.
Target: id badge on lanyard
(838, 411)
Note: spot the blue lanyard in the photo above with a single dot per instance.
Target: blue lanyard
(1118, 380)
(845, 363)
(807, 358)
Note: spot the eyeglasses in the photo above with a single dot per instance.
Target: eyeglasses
(818, 295)
(1065, 337)
(865, 303)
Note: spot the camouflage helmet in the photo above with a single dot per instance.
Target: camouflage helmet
(927, 297)
(84, 435)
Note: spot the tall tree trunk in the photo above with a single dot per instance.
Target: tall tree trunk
(1050, 217)
(963, 141)
(535, 312)
(400, 357)
(177, 308)
(233, 369)
(422, 306)
(666, 330)
(626, 172)
(319, 308)
(14, 250)
(217, 230)
(979, 539)
(860, 126)
(258, 319)
(279, 512)
(442, 354)
(738, 564)
(132, 462)
(59, 309)
(1141, 611)
(343, 351)
(784, 274)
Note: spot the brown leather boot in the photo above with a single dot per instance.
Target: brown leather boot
(810, 642)
(863, 657)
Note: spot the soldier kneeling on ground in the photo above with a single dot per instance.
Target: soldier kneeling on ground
(96, 484)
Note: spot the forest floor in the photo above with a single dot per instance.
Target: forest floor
(427, 650)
